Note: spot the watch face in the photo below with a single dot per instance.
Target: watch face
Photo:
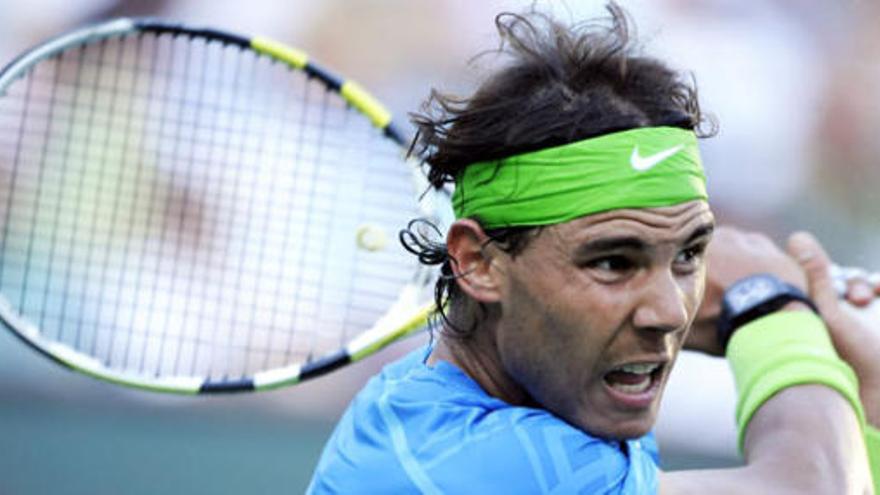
(750, 292)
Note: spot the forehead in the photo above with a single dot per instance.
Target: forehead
(651, 225)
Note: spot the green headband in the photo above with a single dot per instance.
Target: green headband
(640, 168)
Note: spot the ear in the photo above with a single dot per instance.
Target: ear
(472, 261)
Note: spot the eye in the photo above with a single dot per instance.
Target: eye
(614, 263)
(690, 258)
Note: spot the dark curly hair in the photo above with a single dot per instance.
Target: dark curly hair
(559, 84)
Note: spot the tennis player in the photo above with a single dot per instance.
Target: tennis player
(574, 273)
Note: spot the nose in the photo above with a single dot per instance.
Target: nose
(662, 304)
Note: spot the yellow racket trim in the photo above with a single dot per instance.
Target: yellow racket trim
(366, 103)
(402, 327)
(294, 57)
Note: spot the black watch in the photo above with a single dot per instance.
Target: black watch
(752, 297)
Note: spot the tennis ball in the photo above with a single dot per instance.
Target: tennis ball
(371, 237)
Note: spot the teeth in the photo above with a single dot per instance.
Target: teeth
(639, 369)
(632, 389)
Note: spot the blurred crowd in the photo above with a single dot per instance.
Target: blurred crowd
(793, 86)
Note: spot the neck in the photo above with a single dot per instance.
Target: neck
(477, 356)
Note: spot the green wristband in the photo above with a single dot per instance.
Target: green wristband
(872, 440)
(782, 350)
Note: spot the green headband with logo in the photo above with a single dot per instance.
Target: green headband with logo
(645, 167)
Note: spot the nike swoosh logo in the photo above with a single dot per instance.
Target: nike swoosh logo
(642, 164)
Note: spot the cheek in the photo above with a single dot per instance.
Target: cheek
(694, 289)
(552, 346)
(552, 371)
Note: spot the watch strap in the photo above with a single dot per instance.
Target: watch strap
(733, 318)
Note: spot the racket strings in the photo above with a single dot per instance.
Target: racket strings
(180, 207)
(181, 217)
(97, 237)
(56, 211)
(12, 176)
(274, 323)
(146, 111)
(239, 285)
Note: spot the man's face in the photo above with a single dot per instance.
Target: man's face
(595, 310)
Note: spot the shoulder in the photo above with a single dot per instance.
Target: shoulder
(533, 451)
(434, 430)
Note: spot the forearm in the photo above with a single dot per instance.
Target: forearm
(770, 357)
(798, 411)
(805, 439)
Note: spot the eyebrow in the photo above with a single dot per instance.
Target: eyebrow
(636, 243)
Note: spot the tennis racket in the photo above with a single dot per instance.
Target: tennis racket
(189, 210)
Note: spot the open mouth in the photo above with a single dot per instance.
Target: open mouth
(635, 384)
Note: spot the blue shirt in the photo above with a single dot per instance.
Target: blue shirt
(431, 429)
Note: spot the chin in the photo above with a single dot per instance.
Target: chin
(633, 429)
(615, 427)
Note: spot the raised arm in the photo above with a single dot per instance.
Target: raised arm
(798, 408)
(855, 332)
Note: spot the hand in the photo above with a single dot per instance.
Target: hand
(855, 332)
(732, 255)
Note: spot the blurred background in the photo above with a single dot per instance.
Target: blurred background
(794, 86)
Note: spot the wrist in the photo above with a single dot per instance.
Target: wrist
(781, 350)
(753, 297)
(796, 306)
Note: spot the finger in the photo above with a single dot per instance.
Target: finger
(859, 292)
(807, 251)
